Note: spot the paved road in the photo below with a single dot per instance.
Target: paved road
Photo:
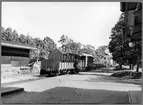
(86, 87)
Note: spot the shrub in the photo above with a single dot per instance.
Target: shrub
(131, 75)
(136, 75)
(121, 74)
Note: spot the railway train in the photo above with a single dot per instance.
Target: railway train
(59, 62)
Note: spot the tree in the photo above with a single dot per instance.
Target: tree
(100, 54)
(29, 40)
(121, 52)
(8, 34)
(69, 45)
(48, 45)
(3, 33)
(38, 42)
(22, 39)
(14, 36)
(88, 49)
(35, 54)
(64, 41)
(43, 46)
(116, 45)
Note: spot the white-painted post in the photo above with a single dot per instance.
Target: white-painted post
(86, 61)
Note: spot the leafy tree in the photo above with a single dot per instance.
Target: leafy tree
(100, 54)
(43, 46)
(22, 39)
(3, 33)
(49, 44)
(116, 45)
(38, 42)
(68, 45)
(74, 47)
(64, 41)
(8, 34)
(34, 55)
(14, 36)
(29, 40)
(88, 49)
(121, 52)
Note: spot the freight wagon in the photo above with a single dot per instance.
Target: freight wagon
(60, 62)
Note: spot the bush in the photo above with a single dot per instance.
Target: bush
(97, 66)
(118, 68)
(136, 75)
(121, 74)
(131, 75)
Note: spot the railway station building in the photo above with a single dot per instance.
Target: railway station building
(133, 20)
(13, 54)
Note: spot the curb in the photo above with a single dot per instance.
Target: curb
(12, 91)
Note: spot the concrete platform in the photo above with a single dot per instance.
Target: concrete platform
(135, 97)
(20, 79)
(10, 90)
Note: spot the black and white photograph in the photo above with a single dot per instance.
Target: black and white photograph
(71, 52)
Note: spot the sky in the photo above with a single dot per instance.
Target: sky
(84, 22)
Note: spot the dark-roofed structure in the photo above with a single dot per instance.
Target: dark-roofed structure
(15, 54)
(133, 20)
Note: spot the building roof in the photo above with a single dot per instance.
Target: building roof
(16, 45)
(126, 6)
(60, 50)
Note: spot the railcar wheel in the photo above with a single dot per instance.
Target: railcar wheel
(68, 72)
(42, 72)
(50, 74)
(58, 73)
(71, 71)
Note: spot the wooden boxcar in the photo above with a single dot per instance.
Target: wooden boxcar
(49, 67)
(59, 62)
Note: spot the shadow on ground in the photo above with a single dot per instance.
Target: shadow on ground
(105, 75)
(68, 95)
(107, 78)
(114, 80)
(92, 73)
(108, 70)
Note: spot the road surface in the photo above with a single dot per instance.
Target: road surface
(84, 88)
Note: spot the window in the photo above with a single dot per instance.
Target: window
(68, 57)
(64, 57)
(138, 20)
